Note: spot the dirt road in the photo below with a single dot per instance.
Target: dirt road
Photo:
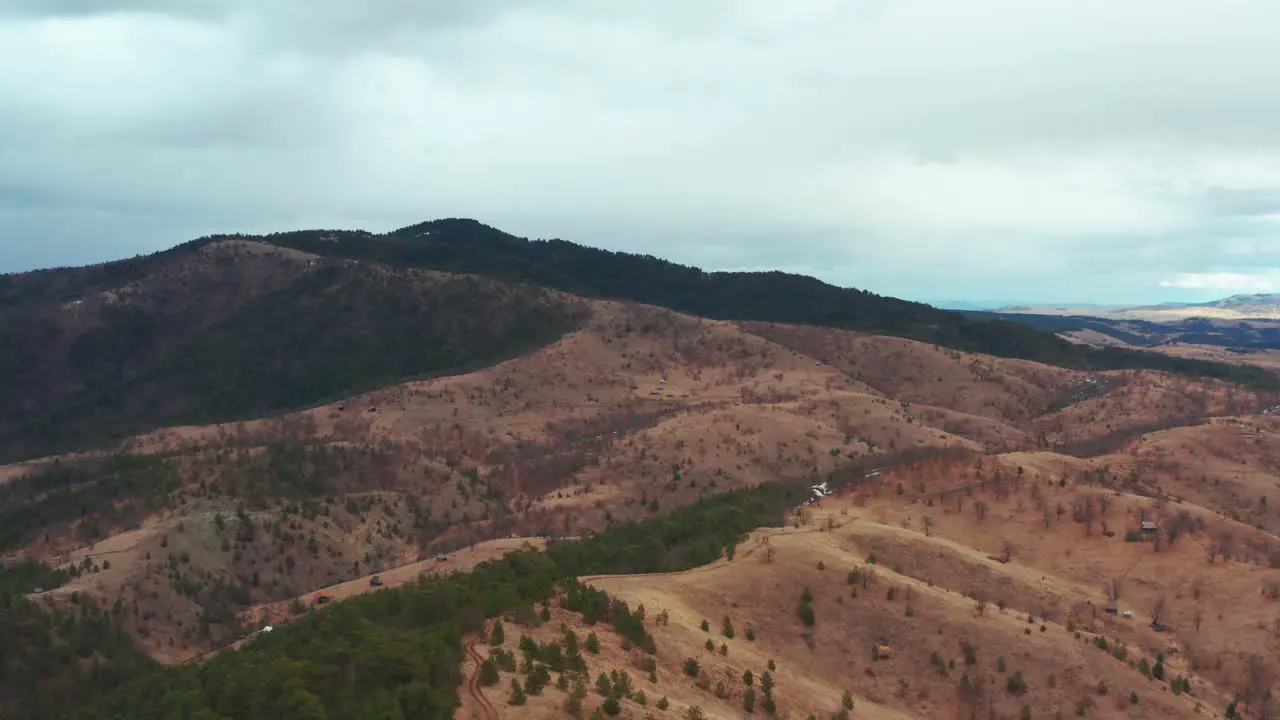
(474, 689)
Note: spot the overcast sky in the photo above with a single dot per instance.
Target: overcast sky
(1046, 150)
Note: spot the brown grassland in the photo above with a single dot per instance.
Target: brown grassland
(1008, 513)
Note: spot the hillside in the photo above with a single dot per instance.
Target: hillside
(259, 423)
(217, 329)
(467, 246)
(236, 329)
(638, 411)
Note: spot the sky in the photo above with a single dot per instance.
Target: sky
(941, 150)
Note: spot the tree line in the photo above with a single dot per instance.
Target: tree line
(397, 653)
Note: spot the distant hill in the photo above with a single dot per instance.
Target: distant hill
(460, 245)
(233, 327)
(1262, 306)
(228, 330)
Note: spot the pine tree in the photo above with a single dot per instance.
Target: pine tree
(517, 693)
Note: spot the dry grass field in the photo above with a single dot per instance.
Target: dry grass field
(642, 410)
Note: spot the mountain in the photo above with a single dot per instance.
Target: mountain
(444, 429)
(1257, 307)
(232, 329)
(213, 330)
(467, 246)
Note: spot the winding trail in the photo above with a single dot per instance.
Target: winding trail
(474, 689)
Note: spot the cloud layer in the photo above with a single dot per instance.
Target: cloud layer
(1054, 150)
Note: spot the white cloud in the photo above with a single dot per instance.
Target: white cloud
(1262, 281)
(1075, 149)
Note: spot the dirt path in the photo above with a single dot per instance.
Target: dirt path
(474, 689)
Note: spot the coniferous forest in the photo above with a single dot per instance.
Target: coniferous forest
(394, 653)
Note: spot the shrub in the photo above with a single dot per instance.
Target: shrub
(1015, 684)
(805, 611)
(691, 667)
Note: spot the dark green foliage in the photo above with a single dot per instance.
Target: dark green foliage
(199, 341)
(805, 611)
(50, 662)
(611, 706)
(468, 246)
(518, 696)
(749, 700)
(596, 604)
(706, 626)
(727, 628)
(691, 667)
(1015, 684)
(489, 672)
(398, 652)
(497, 635)
(120, 489)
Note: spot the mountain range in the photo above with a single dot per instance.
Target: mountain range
(449, 472)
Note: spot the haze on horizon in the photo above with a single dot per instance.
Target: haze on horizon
(1057, 151)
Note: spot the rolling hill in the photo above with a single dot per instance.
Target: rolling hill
(241, 423)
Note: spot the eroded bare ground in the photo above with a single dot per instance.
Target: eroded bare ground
(642, 410)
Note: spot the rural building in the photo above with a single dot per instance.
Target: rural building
(1149, 527)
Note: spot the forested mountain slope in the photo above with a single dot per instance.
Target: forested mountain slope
(232, 330)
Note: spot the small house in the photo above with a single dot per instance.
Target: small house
(1149, 526)
(1112, 607)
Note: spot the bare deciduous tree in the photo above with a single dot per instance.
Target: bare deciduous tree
(1257, 690)
(980, 509)
(1007, 551)
(1083, 513)
(1227, 545)
(1113, 588)
(927, 523)
(1157, 609)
